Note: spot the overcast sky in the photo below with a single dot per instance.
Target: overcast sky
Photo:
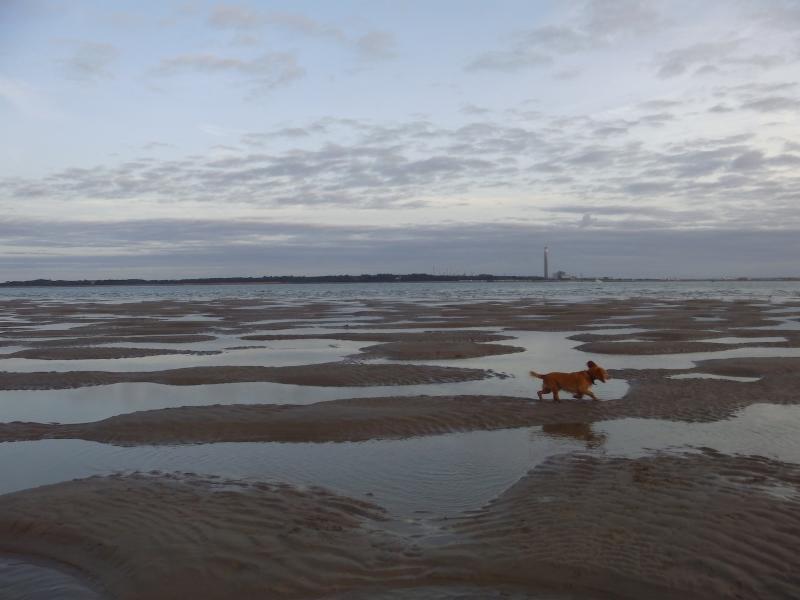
(185, 139)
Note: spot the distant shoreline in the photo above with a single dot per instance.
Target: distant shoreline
(377, 278)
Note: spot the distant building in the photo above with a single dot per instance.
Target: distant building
(546, 251)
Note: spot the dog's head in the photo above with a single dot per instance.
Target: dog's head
(597, 372)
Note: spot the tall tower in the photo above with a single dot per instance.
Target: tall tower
(546, 275)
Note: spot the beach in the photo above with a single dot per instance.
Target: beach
(357, 446)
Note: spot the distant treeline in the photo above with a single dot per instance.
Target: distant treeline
(376, 278)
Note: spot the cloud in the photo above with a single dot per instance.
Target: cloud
(604, 18)
(262, 73)
(778, 14)
(595, 24)
(372, 45)
(532, 48)
(556, 39)
(347, 164)
(235, 17)
(679, 61)
(89, 61)
(509, 61)
(305, 25)
(772, 104)
(376, 45)
(748, 161)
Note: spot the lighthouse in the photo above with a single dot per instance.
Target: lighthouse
(546, 275)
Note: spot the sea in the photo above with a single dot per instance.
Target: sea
(467, 291)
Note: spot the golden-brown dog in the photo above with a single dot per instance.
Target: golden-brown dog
(578, 383)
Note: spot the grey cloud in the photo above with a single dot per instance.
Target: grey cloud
(305, 25)
(755, 89)
(472, 109)
(262, 73)
(656, 119)
(242, 18)
(596, 24)
(772, 104)
(649, 188)
(608, 18)
(610, 131)
(677, 62)
(293, 132)
(509, 61)
(156, 145)
(566, 74)
(707, 70)
(762, 61)
(372, 45)
(376, 45)
(555, 39)
(699, 163)
(530, 49)
(593, 157)
(660, 104)
(747, 161)
(89, 61)
(720, 108)
(408, 163)
(785, 160)
(235, 17)
(778, 14)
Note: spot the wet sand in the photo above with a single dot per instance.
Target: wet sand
(697, 526)
(330, 374)
(700, 525)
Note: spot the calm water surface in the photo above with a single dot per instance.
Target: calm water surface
(775, 291)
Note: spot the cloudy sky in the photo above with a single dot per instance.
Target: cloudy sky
(184, 139)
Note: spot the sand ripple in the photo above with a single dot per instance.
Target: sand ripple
(327, 374)
(180, 536)
(704, 526)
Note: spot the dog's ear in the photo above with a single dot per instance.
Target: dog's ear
(591, 364)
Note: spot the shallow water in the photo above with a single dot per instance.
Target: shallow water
(22, 578)
(545, 352)
(760, 429)
(442, 475)
(273, 353)
(439, 475)
(713, 376)
(743, 340)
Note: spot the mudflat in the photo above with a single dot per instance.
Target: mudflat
(688, 521)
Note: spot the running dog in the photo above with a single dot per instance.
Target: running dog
(578, 383)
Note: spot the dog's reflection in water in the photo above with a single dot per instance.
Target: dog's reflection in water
(578, 431)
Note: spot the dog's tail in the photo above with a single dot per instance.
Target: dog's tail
(535, 374)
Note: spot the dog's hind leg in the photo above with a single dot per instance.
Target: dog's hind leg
(544, 390)
(555, 396)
